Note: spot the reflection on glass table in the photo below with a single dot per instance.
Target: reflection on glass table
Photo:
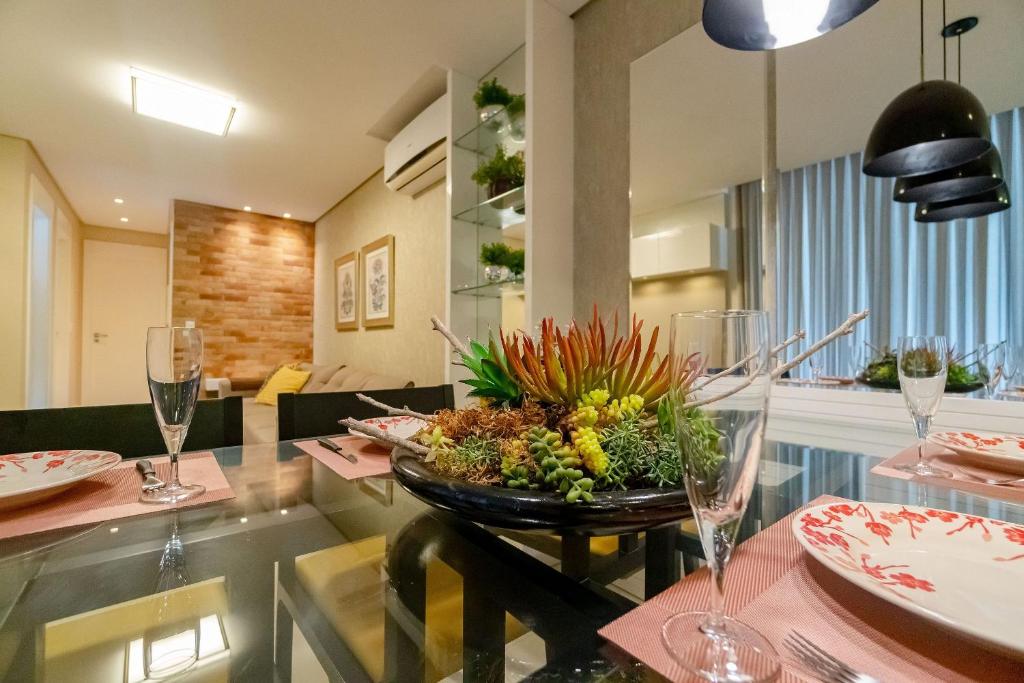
(306, 576)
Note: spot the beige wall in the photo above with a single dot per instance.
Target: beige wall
(18, 163)
(654, 301)
(410, 349)
(610, 34)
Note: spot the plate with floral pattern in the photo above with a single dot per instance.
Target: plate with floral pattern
(403, 426)
(1002, 452)
(27, 478)
(961, 571)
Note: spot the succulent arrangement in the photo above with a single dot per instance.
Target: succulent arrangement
(881, 371)
(573, 413)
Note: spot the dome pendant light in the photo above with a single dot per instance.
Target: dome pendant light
(771, 24)
(932, 126)
(981, 175)
(975, 206)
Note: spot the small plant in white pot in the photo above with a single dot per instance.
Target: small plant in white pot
(491, 98)
(502, 262)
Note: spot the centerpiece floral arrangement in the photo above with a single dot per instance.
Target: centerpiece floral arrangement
(881, 370)
(572, 413)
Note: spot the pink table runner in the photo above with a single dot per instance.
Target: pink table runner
(115, 494)
(948, 460)
(773, 586)
(372, 459)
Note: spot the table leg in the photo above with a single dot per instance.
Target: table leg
(483, 632)
(576, 556)
(661, 568)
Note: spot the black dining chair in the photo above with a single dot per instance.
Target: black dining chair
(317, 414)
(129, 430)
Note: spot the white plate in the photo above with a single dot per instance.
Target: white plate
(27, 478)
(962, 571)
(401, 425)
(1003, 452)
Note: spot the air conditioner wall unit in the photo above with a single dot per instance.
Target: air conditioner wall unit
(415, 158)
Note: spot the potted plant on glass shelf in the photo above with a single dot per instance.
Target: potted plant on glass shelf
(491, 98)
(501, 262)
(502, 173)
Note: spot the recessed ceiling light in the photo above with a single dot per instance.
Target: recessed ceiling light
(287, 215)
(186, 105)
(118, 200)
(247, 208)
(124, 219)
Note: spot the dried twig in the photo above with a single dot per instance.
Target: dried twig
(844, 329)
(797, 336)
(391, 410)
(728, 371)
(750, 379)
(450, 336)
(370, 430)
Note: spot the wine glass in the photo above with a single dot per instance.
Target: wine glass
(174, 363)
(991, 365)
(922, 363)
(719, 420)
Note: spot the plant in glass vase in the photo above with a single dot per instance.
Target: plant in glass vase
(502, 173)
(490, 98)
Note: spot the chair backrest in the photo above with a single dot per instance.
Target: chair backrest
(129, 430)
(317, 414)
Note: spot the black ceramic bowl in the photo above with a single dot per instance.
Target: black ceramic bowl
(612, 512)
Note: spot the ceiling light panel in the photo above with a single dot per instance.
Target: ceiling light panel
(176, 102)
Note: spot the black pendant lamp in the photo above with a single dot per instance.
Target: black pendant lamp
(981, 175)
(975, 206)
(932, 126)
(772, 24)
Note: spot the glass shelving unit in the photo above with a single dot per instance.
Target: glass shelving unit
(499, 129)
(503, 211)
(493, 290)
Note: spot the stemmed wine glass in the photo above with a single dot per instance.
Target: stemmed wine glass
(174, 363)
(992, 364)
(922, 363)
(720, 444)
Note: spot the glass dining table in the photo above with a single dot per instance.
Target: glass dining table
(306, 576)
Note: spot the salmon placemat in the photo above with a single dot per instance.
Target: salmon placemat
(948, 460)
(372, 459)
(774, 586)
(114, 494)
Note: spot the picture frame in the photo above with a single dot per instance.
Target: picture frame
(347, 290)
(378, 290)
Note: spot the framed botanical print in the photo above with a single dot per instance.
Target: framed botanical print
(346, 292)
(379, 282)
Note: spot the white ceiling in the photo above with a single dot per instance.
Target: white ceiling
(697, 108)
(312, 78)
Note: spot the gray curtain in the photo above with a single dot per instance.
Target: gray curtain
(844, 245)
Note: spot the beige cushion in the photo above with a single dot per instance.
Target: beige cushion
(318, 375)
(352, 379)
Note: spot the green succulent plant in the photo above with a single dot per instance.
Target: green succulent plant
(491, 92)
(501, 166)
(500, 254)
(558, 466)
(492, 380)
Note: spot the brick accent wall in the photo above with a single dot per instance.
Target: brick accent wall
(247, 281)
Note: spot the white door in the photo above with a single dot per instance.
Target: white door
(124, 292)
(63, 309)
(39, 331)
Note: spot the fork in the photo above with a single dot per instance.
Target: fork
(1012, 481)
(822, 664)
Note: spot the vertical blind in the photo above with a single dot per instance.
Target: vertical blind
(844, 245)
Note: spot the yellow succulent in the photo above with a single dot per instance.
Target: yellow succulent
(584, 416)
(588, 445)
(628, 406)
(596, 398)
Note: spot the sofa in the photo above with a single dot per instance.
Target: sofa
(259, 421)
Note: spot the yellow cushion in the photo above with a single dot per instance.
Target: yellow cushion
(286, 380)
